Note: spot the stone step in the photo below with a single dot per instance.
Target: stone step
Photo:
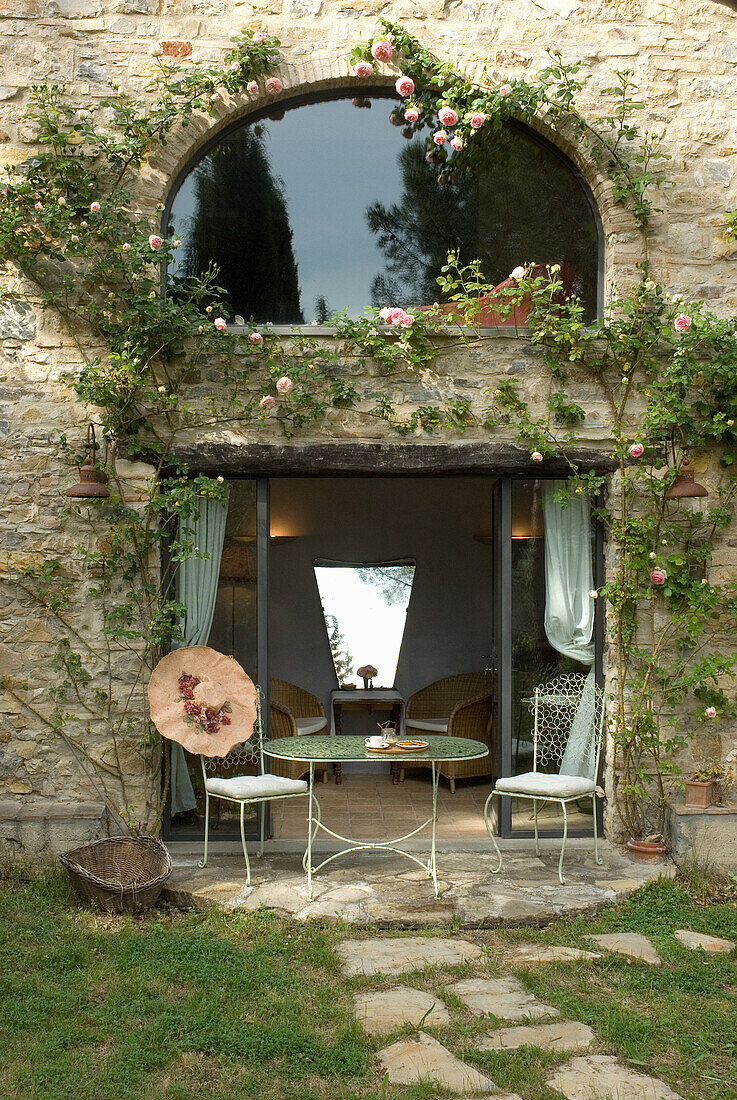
(425, 1059)
(399, 954)
(505, 998)
(379, 1011)
(562, 1035)
(633, 945)
(601, 1075)
(531, 953)
(714, 945)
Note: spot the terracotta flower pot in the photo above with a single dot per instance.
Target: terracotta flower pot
(699, 793)
(646, 851)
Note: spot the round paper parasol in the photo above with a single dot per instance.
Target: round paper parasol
(203, 700)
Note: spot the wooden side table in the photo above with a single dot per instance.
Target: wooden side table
(369, 699)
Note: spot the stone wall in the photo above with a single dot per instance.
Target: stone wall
(684, 54)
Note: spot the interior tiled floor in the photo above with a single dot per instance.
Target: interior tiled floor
(368, 807)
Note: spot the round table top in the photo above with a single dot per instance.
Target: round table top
(344, 749)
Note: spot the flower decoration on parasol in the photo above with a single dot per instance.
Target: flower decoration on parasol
(203, 700)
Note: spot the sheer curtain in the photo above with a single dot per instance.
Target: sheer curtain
(569, 611)
(197, 586)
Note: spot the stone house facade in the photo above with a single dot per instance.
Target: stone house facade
(684, 57)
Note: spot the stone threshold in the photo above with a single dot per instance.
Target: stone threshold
(523, 845)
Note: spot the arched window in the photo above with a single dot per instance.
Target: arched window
(324, 206)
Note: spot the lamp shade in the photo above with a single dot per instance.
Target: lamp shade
(684, 486)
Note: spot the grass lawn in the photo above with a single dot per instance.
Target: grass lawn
(223, 1006)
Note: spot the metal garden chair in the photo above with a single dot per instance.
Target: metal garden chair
(567, 731)
(249, 790)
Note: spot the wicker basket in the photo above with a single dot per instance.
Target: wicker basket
(122, 874)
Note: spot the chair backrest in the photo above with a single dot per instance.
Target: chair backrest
(440, 698)
(568, 725)
(301, 703)
(242, 754)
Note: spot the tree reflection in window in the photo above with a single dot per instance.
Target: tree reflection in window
(323, 208)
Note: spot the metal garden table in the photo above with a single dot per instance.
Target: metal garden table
(315, 749)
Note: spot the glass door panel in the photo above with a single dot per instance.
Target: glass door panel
(552, 631)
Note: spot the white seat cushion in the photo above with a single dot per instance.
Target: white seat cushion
(256, 786)
(428, 725)
(310, 725)
(547, 786)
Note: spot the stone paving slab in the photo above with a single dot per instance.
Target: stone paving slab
(505, 998)
(602, 1077)
(385, 890)
(399, 954)
(633, 945)
(531, 953)
(425, 1059)
(714, 945)
(381, 1010)
(562, 1035)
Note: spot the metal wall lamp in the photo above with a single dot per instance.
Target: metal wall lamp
(92, 484)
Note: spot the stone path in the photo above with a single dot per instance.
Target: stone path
(422, 1057)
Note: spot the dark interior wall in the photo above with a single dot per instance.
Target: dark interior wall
(433, 520)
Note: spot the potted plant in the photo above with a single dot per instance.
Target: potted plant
(708, 783)
(700, 786)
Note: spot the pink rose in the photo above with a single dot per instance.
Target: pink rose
(196, 58)
(682, 323)
(505, 89)
(456, 143)
(448, 116)
(38, 206)
(405, 85)
(235, 66)
(220, 324)
(252, 87)
(536, 456)
(395, 315)
(155, 242)
(156, 50)
(125, 247)
(440, 137)
(477, 120)
(637, 450)
(94, 207)
(363, 68)
(710, 712)
(267, 402)
(411, 114)
(285, 385)
(256, 338)
(518, 273)
(274, 85)
(658, 576)
(381, 51)
(258, 36)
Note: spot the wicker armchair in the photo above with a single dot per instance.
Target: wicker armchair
(457, 706)
(292, 707)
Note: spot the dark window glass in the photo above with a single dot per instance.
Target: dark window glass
(327, 206)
